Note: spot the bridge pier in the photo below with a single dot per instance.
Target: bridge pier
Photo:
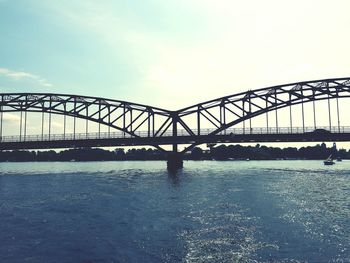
(174, 159)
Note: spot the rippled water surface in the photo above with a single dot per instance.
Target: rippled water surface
(256, 211)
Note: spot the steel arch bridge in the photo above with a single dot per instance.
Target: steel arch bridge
(207, 122)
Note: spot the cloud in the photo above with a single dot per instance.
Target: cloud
(56, 124)
(11, 118)
(21, 75)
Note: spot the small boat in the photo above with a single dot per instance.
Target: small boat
(329, 161)
(339, 159)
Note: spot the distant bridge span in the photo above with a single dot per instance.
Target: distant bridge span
(207, 122)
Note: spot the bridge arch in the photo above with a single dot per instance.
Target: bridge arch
(247, 105)
(139, 120)
(124, 116)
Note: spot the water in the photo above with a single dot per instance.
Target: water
(256, 211)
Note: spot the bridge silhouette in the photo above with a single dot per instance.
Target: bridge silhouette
(223, 120)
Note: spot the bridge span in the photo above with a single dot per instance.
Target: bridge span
(297, 112)
(257, 135)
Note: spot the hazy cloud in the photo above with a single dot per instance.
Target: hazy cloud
(11, 118)
(21, 75)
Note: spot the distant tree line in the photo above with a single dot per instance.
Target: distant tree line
(221, 152)
(81, 154)
(258, 152)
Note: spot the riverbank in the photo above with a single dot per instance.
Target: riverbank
(221, 152)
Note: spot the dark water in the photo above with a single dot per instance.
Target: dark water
(267, 211)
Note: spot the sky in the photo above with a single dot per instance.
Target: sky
(172, 53)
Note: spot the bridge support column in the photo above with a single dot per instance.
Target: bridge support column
(174, 161)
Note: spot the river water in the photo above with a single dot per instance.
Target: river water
(211, 211)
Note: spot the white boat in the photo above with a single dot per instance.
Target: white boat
(329, 161)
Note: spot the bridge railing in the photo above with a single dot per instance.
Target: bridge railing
(180, 133)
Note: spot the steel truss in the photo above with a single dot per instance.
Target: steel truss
(229, 111)
(221, 113)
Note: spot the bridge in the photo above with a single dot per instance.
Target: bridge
(296, 112)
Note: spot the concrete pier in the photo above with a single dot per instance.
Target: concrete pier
(175, 161)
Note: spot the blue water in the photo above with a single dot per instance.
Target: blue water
(239, 211)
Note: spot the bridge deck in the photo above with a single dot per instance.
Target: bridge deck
(297, 134)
